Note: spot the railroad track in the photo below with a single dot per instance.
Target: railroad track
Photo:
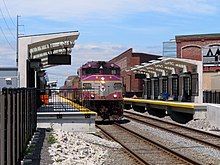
(205, 138)
(144, 149)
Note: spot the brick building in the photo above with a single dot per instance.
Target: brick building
(202, 47)
(129, 59)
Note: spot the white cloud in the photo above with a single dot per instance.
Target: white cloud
(69, 10)
(94, 11)
(82, 53)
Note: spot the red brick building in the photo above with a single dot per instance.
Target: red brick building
(202, 47)
(129, 59)
(192, 46)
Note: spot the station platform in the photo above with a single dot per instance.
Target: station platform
(60, 113)
(197, 110)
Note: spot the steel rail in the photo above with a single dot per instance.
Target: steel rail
(176, 132)
(164, 148)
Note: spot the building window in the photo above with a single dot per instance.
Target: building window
(169, 48)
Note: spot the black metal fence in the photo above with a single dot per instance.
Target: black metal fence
(211, 97)
(18, 121)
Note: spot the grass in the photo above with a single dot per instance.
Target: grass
(51, 138)
(29, 149)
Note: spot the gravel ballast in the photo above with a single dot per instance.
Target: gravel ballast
(81, 148)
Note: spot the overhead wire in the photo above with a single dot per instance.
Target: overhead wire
(9, 28)
(7, 24)
(12, 46)
(6, 38)
(9, 13)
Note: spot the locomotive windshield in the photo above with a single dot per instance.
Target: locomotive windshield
(90, 71)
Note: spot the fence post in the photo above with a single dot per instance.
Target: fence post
(18, 121)
(33, 110)
(17, 126)
(9, 127)
(218, 98)
(2, 129)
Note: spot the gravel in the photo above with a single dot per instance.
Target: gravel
(79, 148)
(73, 148)
(201, 124)
(92, 149)
(187, 147)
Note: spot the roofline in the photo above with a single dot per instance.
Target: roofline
(138, 53)
(130, 49)
(49, 34)
(197, 35)
(9, 68)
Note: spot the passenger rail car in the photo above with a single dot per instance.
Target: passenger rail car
(98, 87)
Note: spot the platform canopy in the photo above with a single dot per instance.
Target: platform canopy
(43, 51)
(50, 46)
(165, 66)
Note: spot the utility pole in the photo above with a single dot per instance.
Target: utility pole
(17, 44)
(17, 39)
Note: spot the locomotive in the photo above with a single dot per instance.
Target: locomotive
(98, 87)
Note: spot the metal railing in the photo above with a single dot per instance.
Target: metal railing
(211, 97)
(18, 121)
(61, 100)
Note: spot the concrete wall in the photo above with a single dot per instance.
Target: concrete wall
(215, 82)
(22, 57)
(211, 81)
(207, 80)
(74, 122)
(213, 115)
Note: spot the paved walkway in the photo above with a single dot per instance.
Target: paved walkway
(41, 155)
(57, 104)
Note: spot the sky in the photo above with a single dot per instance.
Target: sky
(107, 27)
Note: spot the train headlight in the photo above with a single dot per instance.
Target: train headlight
(115, 95)
(102, 80)
(92, 96)
(102, 89)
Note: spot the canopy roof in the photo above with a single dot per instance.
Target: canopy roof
(165, 66)
(44, 45)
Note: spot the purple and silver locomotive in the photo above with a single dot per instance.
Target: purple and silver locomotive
(101, 89)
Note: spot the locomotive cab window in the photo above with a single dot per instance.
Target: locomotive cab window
(117, 86)
(88, 71)
(87, 85)
(115, 71)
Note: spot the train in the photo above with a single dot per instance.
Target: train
(98, 87)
